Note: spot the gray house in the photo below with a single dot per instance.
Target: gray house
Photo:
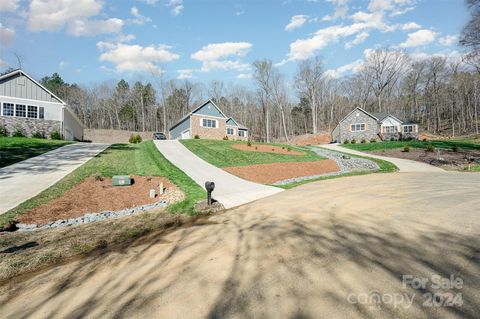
(360, 124)
(28, 106)
(208, 121)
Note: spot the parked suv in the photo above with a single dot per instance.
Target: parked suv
(159, 136)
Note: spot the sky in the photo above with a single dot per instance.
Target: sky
(90, 41)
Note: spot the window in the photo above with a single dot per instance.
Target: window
(389, 129)
(32, 112)
(20, 110)
(242, 133)
(41, 112)
(8, 109)
(230, 131)
(209, 123)
(358, 127)
(408, 129)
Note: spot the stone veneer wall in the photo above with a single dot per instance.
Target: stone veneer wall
(371, 130)
(29, 126)
(209, 133)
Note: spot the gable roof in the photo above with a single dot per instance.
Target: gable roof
(21, 72)
(196, 109)
(236, 123)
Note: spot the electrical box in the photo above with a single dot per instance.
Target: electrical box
(121, 180)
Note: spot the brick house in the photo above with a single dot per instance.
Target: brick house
(360, 124)
(208, 122)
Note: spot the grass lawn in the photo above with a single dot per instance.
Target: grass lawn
(384, 167)
(222, 154)
(17, 149)
(442, 144)
(131, 159)
(474, 168)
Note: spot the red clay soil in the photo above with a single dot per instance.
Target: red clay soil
(274, 172)
(266, 149)
(92, 196)
(311, 139)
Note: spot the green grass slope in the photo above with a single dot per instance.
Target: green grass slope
(443, 144)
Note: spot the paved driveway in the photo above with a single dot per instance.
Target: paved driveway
(322, 250)
(229, 190)
(23, 180)
(404, 165)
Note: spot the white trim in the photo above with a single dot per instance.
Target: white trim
(360, 130)
(204, 118)
(21, 98)
(213, 117)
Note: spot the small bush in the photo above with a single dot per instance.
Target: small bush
(363, 141)
(455, 148)
(289, 149)
(197, 137)
(256, 147)
(3, 131)
(38, 135)
(392, 139)
(406, 148)
(373, 140)
(353, 141)
(346, 142)
(18, 133)
(249, 144)
(430, 148)
(99, 178)
(135, 139)
(55, 135)
(225, 138)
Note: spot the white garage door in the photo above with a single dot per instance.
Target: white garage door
(185, 134)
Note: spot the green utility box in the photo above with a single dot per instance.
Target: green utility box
(121, 180)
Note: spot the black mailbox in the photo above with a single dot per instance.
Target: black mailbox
(209, 186)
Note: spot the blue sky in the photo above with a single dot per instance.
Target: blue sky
(90, 41)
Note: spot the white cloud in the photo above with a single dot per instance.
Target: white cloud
(419, 38)
(450, 55)
(54, 15)
(9, 5)
(135, 57)
(379, 5)
(238, 10)
(359, 38)
(411, 26)
(296, 22)
(150, 2)
(244, 76)
(176, 7)
(138, 18)
(63, 64)
(353, 67)
(341, 9)
(3, 64)
(184, 74)
(215, 56)
(6, 35)
(448, 40)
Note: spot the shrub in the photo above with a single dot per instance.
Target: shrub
(249, 143)
(455, 148)
(392, 139)
(38, 135)
(353, 141)
(346, 142)
(406, 148)
(256, 147)
(373, 140)
(225, 138)
(363, 141)
(135, 139)
(18, 133)
(197, 137)
(55, 135)
(289, 149)
(3, 131)
(430, 148)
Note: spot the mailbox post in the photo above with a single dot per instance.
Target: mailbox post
(209, 186)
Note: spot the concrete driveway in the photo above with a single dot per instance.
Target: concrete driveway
(404, 165)
(24, 180)
(230, 190)
(327, 249)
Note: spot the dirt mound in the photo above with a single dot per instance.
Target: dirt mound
(274, 172)
(113, 136)
(266, 149)
(93, 195)
(306, 139)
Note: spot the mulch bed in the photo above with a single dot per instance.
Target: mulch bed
(266, 149)
(312, 139)
(274, 172)
(447, 159)
(92, 196)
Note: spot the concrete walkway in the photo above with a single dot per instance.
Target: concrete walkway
(404, 165)
(229, 190)
(24, 180)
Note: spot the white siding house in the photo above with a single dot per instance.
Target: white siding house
(28, 106)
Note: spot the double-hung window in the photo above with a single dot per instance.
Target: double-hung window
(7, 109)
(20, 110)
(358, 127)
(230, 131)
(242, 133)
(408, 129)
(32, 112)
(209, 123)
(389, 129)
(41, 112)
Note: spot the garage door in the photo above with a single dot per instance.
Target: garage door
(185, 134)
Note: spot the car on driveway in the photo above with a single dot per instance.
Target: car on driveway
(159, 136)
